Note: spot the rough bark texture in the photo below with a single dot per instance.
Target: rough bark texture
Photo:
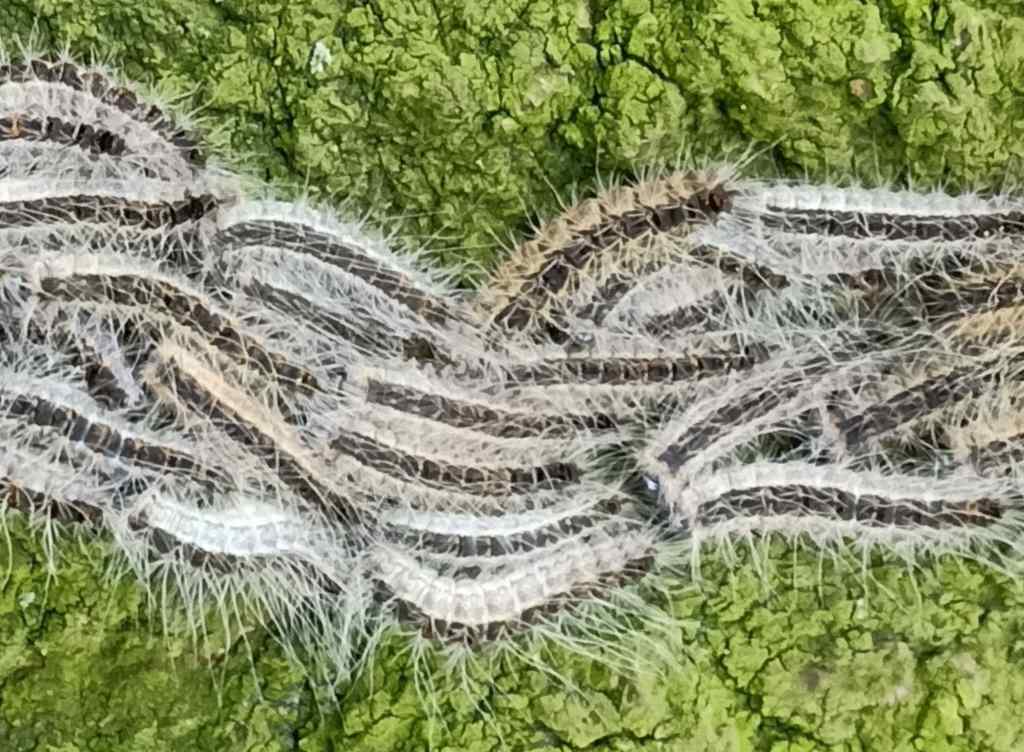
(454, 121)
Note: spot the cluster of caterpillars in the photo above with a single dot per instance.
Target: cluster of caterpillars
(261, 401)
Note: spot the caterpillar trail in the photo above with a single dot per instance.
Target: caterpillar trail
(70, 486)
(239, 533)
(277, 416)
(886, 499)
(803, 231)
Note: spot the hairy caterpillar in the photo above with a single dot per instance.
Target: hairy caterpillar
(118, 281)
(493, 596)
(395, 454)
(23, 204)
(342, 269)
(36, 394)
(527, 293)
(74, 124)
(182, 381)
(961, 512)
(254, 560)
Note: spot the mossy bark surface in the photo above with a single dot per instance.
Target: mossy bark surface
(456, 123)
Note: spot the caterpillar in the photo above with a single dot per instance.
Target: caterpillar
(529, 292)
(963, 513)
(342, 269)
(495, 595)
(270, 408)
(253, 559)
(64, 87)
(116, 280)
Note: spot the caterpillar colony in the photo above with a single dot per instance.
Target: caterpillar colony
(261, 402)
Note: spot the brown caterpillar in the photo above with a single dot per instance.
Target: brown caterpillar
(524, 294)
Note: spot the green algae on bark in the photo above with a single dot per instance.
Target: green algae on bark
(84, 666)
(809, 654)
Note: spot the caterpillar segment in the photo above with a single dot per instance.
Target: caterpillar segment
(789, 397)
(986, 433)
(971, 301)
(860, 213)
(462, 541)
(53, 130)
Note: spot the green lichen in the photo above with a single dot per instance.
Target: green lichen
(82, 666)
(457, 122)
(812, 655)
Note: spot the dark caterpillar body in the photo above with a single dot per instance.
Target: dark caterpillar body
(556, 270)
(859, 225)
(105, 439)
(617, 371)
(475, 480)
(934, 394)
(307, 241)
(368, 336)
(500, 422)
